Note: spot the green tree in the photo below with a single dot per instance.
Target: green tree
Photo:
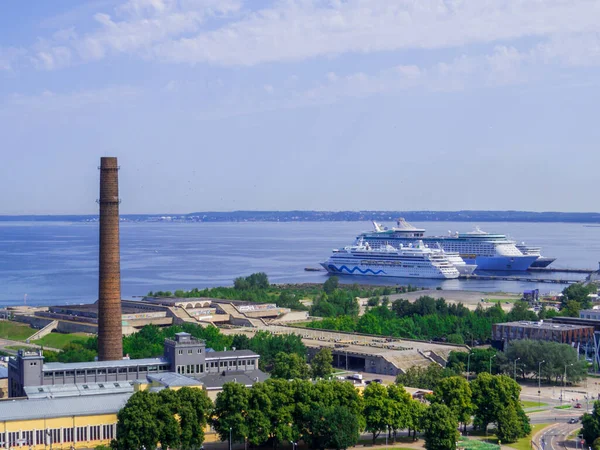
(423, 378)
(455, 393)
(496, 400)
(290, 366)
(591, 425)
(322, 363)
(331, 285)
(230, 411)
(440, 426)
(377, 409)
(332, 427)
(259, 413)
(195, 409)
(400, 408)
(137, 424)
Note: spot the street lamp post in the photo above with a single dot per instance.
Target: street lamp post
(492, 357)
(565, 377)
(539, 382)
(294, 445)
(229, 438)
(515, 371)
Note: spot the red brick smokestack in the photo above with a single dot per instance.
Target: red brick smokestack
(110, 343)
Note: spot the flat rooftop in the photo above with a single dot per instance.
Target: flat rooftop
(11, 410)
(542, 325)
(104, 364)
(93, 308)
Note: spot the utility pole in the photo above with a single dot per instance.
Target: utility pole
(539, 382)
(515, 374)
(491, 363)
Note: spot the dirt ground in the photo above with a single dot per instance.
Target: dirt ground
(468, 298)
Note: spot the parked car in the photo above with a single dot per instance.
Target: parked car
(577, 405)
(378, 380)
(573, 420)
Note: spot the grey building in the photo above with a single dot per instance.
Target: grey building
(183, 355)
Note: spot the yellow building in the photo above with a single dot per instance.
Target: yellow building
(60, 423)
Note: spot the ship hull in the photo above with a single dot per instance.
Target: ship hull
(543, 261)
(375, 271)
(502, 263)
(466, 269)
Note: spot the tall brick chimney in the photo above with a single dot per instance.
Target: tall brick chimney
(110, 343)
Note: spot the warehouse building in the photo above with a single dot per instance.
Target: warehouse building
(503, 333)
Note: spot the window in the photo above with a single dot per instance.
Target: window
(180, 352)
(80, 373)
(132, 369)
(85, 386)
(199, 350)
(108, 432)
(81, 434)
(190, 352)
(101, 386)
(95, 433)
(112, 370)
(123, 370)
(68, 435)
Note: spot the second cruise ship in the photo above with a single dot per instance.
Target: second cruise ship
(493, 252)
(411, 261)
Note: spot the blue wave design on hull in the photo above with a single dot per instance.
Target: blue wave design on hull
(354, 269)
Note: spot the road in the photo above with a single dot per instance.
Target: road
(555, 437)
(9, 343)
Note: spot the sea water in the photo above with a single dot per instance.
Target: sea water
(43, 263)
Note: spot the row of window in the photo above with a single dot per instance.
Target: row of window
(94, 372)
(190, 369)
(190, 351)
(57, 435)
(232, 363)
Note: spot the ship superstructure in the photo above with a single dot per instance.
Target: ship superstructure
(410, 261)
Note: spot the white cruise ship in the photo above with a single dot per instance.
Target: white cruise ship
(413, 261)
(486, 250)
(455, 259)
(541, 261)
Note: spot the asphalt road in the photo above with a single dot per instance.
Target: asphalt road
(555, 437)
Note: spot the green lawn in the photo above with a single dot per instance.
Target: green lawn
(563, 407)
(525, 443)
(530, 404)
(16, 348)
(14, 330)
(502, 300)
(59, 340)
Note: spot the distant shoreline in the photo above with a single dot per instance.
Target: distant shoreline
(329, 216)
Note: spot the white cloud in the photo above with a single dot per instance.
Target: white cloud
(297, 30)
(8, 58)
(135, 27)
(49, 101)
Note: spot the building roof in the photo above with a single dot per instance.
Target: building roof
(230, 354)
(542, 325)
(105, 364)
(173, 379)
(46, 408)
(217, 380)
(76, 390)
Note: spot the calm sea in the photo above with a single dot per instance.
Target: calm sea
(56, 263)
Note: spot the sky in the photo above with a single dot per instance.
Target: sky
(220, 105)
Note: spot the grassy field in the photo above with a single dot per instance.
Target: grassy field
(15, 331)
(530, 404)
(502, 300)
(563, 407)
(18, 347)
(525, 443)
(59, 340)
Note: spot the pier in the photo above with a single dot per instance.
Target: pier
(516, 278)
(554, 270)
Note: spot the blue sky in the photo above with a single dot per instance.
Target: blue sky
(300, 104)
